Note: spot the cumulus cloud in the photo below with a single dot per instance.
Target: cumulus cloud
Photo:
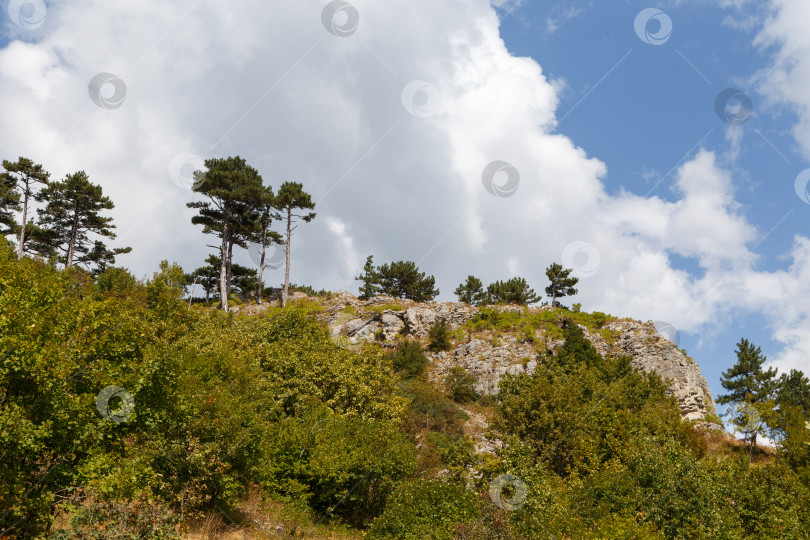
(390, 129)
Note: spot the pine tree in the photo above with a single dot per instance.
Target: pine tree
(748, 384)
(262, 234)
(402, 279)
(513, 291)
(72, 211)
(793, 390)
(291, 197)
(471, 292)
(24, 174)
(9, 203)
(233, 189)
(370, 280)
(561, 283)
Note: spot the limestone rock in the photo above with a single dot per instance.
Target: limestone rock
(490, 358)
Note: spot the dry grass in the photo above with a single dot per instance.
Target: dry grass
(723, 446)
(259, 519)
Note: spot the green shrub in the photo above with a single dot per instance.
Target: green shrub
(342, 466)
(439, 337)
(428, 407)
(409, 359)
(425, 509)
(120, 520)
(460, 385)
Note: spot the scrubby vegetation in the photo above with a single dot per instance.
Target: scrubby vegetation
(125, 412)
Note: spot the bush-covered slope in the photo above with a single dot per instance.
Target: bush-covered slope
(125, 413)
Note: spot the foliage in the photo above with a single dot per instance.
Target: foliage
(408, 359)
(291, 198)
(512, 291)
(793, 390)
(746, 380)
(471, 292)
(460, 385)
(307, 289)
(341, 465)
(750, 387)
(72, 211)
(561, 284)
(439, 337)
(426, 509)
(234, 194)
(16, 192)
(400, 279)
(120, 520)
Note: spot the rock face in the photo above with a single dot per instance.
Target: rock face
(652, 352)
(489, 358)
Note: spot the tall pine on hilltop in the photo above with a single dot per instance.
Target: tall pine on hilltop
(290, 198)
(232, 189)
(561, 282)
(72, 211)
(23, 175)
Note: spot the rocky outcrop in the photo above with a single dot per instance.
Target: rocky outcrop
(652, 352)
(489, 357)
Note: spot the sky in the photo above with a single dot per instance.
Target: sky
(661, 149)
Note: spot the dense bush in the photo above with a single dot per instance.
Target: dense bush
(222, 404)
(459, 384)
(439, 337)
(426, 509)
(408, 359)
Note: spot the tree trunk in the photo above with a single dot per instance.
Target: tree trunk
(285, 291)
(261, 267)
(22, 229)
(72, 243)
(230, 267)
(223, 271)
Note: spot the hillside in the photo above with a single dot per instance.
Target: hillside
(127, 412)
(497, 340)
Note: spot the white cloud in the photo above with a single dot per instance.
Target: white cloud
(272, 85)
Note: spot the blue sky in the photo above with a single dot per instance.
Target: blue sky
(643, 108)
(392, 114)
